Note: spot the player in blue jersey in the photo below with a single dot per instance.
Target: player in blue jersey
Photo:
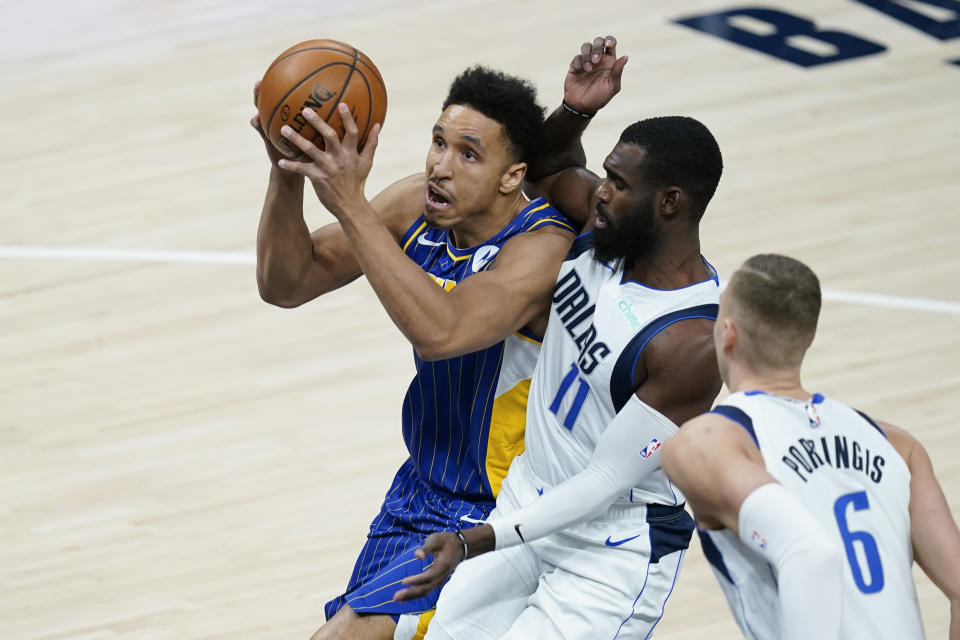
(811, 513)
(465, 225)
(589, 534)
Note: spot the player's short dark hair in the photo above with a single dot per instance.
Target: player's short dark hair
(681, 152)
(778, 302)
(509, 100)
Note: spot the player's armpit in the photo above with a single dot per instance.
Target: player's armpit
(933, 530)
(571, 191)
(677, 373)
(489, 306)
(716, 465)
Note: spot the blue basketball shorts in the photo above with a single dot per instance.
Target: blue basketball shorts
(411, 511)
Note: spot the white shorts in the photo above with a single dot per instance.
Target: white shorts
(607, 578)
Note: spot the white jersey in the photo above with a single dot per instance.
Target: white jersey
(840, 466)
(599, 325)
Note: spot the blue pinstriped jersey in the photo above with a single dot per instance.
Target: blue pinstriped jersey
(463, 417)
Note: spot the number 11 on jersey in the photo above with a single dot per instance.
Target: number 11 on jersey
(578, 400)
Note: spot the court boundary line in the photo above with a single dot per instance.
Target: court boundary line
(244, 258)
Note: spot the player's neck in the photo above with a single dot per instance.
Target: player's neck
(778, 382)
(672, 264)
(481, 227)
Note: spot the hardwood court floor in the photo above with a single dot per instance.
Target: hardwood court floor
(179, 459)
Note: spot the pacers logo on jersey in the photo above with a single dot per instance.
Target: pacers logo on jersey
(483, 256)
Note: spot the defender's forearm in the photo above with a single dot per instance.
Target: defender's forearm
(561, 147)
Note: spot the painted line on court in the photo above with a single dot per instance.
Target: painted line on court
(237, 257)
(128, 255)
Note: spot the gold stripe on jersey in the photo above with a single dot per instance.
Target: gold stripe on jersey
(505, 439)
(425, 619)
(528, 338)
(414, 236)
(455, 258)
(447, 285)
(551, 220)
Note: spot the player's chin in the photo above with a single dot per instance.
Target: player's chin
(440, 217)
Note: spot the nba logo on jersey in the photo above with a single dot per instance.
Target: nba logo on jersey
(651, 448)
(812, 414)
(759, 540)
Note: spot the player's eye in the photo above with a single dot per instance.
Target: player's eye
(468, 155)
(438, 143)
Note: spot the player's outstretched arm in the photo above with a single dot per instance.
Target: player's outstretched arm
(936, 539)
(558, 169)
(717, 466)
(480, 311)
(625, 454)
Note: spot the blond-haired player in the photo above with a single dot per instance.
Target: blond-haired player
(811, 513)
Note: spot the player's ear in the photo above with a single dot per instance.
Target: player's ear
(729, 336)
(512, 177)
(671, 201)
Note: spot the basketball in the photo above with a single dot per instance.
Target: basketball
(320, 74)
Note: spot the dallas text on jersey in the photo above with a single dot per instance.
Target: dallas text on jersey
(572, 305)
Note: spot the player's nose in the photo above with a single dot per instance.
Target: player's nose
(443, 166)
(603, 191)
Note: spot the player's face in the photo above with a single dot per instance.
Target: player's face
(467, 159)
(625, 226)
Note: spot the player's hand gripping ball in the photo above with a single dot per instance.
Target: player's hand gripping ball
(320, 74)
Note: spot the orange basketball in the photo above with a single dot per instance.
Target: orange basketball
(320, 74)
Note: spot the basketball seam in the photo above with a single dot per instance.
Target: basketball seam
(366, 126)
(376, 72)
(295, 87)
(343, 89)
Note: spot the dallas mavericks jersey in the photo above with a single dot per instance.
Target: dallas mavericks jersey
(839, 464)
(599, 325)
(463, 417)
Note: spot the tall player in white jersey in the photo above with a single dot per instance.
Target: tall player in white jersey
(588, 534)
(811, 513)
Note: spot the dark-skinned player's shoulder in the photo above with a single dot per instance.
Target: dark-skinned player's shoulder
(570, 191)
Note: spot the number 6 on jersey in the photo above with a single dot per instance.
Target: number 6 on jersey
(870, 551)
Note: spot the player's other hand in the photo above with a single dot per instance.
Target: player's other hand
(594, 75)
(272, 151)
(447, 552)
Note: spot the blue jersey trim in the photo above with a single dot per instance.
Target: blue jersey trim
(670, 530)
(530, 334)
(621, 380)
(581, 244)
(871, 421)
(713, 555)
(738, 416)
(710, 269)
